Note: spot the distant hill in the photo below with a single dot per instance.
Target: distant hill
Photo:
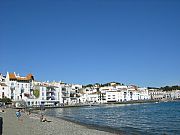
(170, 88)
(102, 85)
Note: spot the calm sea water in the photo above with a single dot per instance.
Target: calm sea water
(137, 119)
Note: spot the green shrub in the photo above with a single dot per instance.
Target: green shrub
(5, 100)
(36, 93)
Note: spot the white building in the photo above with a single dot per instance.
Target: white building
(176, 94)
(4, 89)
(171, 95)
(93, 98)
(19, 87)
(144, 94)
(45, 95)
(156, 94)
(113, 96)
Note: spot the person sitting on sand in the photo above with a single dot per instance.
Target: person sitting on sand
(29, 112)
(2, 110)
(43, 119)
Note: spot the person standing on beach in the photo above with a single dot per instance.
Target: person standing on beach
(18, 114)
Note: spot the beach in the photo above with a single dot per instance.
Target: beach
(31, 125)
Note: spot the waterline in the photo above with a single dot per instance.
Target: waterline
(161, 118)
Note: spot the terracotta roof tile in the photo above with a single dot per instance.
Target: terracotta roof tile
(27, 78)
(12, 76)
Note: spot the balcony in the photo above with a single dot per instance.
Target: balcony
(65, 95)
(50, 97)
(65, 92)
(22, 91)
(50, 89)
(12, 87)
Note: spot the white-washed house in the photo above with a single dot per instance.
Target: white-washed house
(19, 86)
(44, 94)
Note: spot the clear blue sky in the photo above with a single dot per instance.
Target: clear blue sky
(89, 41)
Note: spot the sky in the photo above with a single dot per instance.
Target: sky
(92, 41)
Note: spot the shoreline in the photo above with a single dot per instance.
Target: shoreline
(111, 130)
(92, 104)
(106, 128)
(93, 126)
(89, 126)
(98, 127)
(31, 125)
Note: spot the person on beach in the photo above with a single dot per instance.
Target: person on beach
(18, 114)
(45, 120)
(29, 112)
(41, 118)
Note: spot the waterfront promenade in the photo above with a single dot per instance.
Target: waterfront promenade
(31, 125)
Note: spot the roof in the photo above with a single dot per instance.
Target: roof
(30, 76)
(12, 76)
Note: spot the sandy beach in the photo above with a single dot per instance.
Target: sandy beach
(31, 125)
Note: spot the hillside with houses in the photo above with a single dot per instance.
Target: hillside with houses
(26, 91)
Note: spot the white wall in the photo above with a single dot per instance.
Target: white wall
(5, 90)
(92, 98)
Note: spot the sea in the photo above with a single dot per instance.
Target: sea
(162, 118)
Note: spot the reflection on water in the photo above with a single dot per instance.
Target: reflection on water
(161, 118)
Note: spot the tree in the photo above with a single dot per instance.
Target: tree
(89, 85)
(36, 93)
(170, 88)
(6, 100)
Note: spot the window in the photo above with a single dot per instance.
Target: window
(2, 94)
(42, 93)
